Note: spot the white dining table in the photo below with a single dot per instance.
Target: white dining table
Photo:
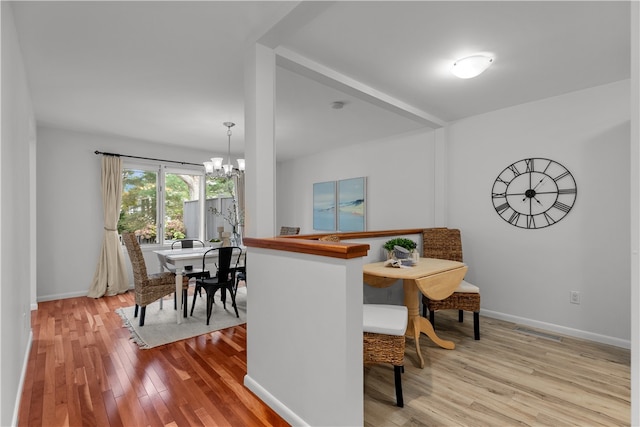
(181, 258)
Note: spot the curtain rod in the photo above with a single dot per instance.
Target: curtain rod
(148, 158)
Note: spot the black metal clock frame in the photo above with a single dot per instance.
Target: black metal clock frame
(534, 193)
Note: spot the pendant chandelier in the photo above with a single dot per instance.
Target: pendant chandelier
(219, 170)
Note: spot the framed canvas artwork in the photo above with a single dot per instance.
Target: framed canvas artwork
(352, 204)
(324, 206)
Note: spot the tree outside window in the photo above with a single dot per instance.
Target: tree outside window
(140, 208)
(138, 211)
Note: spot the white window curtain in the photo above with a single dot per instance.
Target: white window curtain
(110, 277)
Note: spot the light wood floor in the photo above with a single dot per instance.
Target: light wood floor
(84, 370)
(507, 378)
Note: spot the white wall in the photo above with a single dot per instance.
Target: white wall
(526, 275)
(400, 182)
(400, 191)
(16, 178)
(304, 363)
(69, 208)
(635, 212)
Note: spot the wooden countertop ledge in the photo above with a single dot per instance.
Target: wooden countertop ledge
(309, 243)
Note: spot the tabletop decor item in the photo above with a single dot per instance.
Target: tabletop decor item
(235, 217)
(401, 253)
(402, 242)
(534, 193)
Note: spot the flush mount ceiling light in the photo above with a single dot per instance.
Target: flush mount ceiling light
(471, 66)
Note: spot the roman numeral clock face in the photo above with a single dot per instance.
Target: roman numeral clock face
(534, 193)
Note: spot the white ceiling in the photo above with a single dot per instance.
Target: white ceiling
(172, 72)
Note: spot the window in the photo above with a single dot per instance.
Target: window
(138, 212)
(160, 216)
(181, 204)
(219, 188)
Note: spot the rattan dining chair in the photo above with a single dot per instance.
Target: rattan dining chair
(383, 329)
(289, 231)
(147, 287)
(446, 243)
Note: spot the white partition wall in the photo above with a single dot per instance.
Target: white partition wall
(304, 336)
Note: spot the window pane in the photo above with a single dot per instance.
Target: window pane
(219, 194)
(138, 210)
(219, 187)
(215, 224)
(182, 211)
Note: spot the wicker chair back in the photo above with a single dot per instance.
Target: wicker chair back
(446, 243)
(329, 238)
(148, 288)
(137, 259)
(442, 243)
(289, 231)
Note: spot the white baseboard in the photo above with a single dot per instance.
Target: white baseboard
(23, 375)
(76, 294)
(576, 333)
(282, 410)
(42, 298)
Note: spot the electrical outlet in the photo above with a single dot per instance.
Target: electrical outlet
(574, 297)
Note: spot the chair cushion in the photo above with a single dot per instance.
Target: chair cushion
(468, 288)
(384, 319)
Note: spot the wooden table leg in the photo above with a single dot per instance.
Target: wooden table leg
(413, 330)
(417, 323)
(427, 328)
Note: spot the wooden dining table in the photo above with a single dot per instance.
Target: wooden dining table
(435, 278)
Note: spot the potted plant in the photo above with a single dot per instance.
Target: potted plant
(215, 242)
(403, 242)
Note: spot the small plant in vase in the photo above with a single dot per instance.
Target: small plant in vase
(402, 242)
(215, 243)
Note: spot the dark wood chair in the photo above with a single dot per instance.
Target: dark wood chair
(446, 243)
(147, 287)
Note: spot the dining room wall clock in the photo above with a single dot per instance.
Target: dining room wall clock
(534, 193)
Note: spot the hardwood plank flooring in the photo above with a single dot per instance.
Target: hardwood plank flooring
(507, 378)
(84, 370)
